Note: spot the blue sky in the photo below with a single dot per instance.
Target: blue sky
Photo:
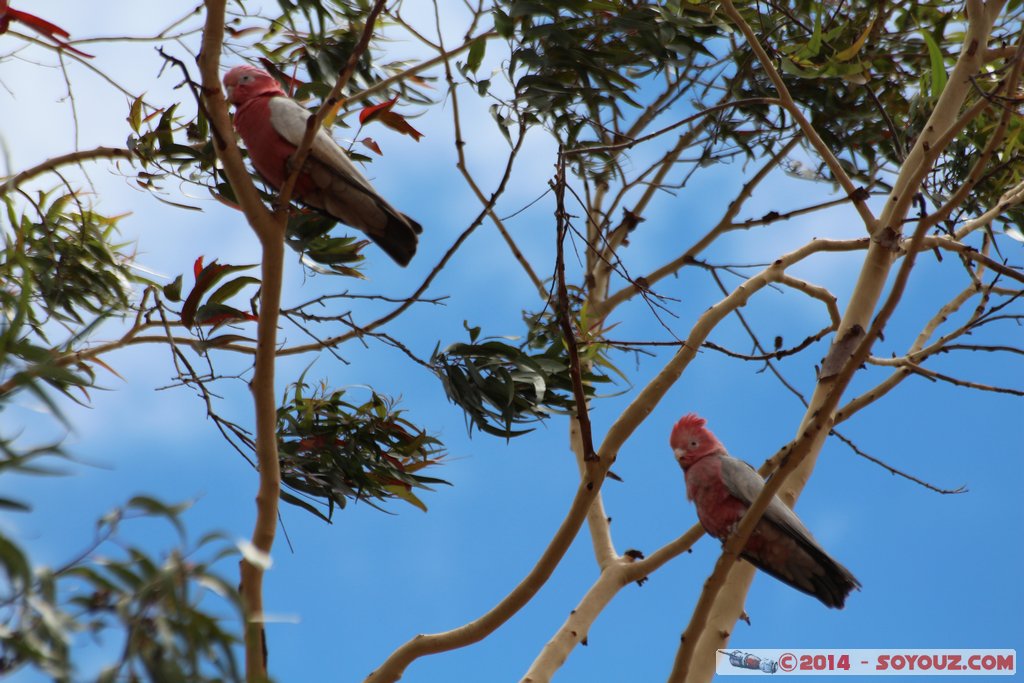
(938, 571)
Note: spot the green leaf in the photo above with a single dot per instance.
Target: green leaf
(405, 493)
(14, 505)
(14, 561)
(938, 66)
(305, 505)
(205, 280)
(1013, 232)
(813, 47)
(135, 113)
(851, 52)
(172, 291)
(230, 288)
(503, 24)
(476, 54)
(153, 507)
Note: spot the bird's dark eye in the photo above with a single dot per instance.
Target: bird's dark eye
(693, 443)
(245, 79)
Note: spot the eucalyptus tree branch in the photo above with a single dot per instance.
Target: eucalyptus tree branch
(938, 376)
(133, 337)
(574, 631)
(580, 432)
(418, 68)
(165, 34)
(478, 629)
(63, 160)
(892, 470)
(972, 254)
(601, 269)
(775, 216)
(565, 318)
(702, 114)
(85, 63)
(270, 229)
(917, 351)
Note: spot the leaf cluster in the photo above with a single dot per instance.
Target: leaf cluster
(314, 39)
(155, 141)
(333, 450)
(204, 305)
(576, 62)
(61, 274)
(157, 608)
(868, 75)
(498, 385)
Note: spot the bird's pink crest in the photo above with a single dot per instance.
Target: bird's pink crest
(687, 426)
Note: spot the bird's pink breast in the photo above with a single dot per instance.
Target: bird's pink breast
(717, 509)
(268, 151)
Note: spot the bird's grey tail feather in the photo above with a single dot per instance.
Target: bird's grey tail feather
(398, 238)
(821, 577)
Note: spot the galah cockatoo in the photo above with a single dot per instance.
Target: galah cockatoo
(272, 126)
(723, 487)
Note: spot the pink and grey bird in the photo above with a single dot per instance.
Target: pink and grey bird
(723, 487)
(272, 126)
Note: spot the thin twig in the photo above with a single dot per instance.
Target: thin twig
(893, 470)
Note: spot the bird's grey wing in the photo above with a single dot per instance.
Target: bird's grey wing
(811, 569)
(745, 483)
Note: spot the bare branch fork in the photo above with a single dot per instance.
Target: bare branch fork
(460, 152)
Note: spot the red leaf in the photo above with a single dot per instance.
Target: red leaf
(206, 278)
(39, 25)
(382, 112)
(197, 267)
(369, 142)
(397, 122)
(35, 23)
(216, 315)
(368, 113)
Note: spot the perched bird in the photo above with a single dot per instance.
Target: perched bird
(272, 126)
(723, 487)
